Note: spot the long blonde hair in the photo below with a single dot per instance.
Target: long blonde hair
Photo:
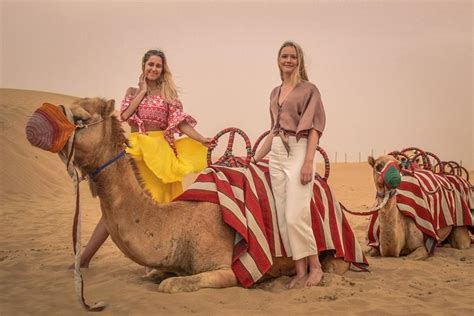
(166, 83)
(300, 72)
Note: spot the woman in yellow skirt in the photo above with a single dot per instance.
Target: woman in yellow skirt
(155, 114)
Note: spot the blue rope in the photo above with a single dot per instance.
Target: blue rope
(105, 165)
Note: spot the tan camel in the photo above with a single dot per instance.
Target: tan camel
(186, 240)
(398, 233)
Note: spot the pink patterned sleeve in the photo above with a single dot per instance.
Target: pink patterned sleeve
(175, 117)
(134, 117)
(125, 104)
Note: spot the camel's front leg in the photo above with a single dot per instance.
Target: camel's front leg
(373, 252)
(460, 238)
(223, 277)
(157, 276)
(336, 265)
(419, 253)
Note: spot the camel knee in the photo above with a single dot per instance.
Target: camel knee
(444, 232)
(419, 253)
(460, 238)
(336, 265)
(281, 266)
(390, 249)
(373, 252)
(157, 276)
(211, 279)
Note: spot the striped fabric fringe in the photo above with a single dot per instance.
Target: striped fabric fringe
(433, 201)
(247, 204)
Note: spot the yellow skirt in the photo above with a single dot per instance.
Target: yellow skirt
(161, 170)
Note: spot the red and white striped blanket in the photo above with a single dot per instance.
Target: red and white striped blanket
(247, 205)
(433, 201)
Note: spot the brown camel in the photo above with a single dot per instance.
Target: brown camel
(186, 240)
(399, 234)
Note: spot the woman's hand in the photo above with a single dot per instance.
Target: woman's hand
(307, 172)
(187, 129)
(208, 142)
(142, 85)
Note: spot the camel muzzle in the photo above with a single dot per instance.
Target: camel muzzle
(391, 175)
(49, 128)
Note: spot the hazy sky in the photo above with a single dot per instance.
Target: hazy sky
(392, 74)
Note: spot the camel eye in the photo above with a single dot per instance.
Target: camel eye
(379, 167)
(80, 120)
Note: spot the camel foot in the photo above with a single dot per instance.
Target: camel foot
(314, 278)
(156, 276)
(460, 238)
(212, 279)
(334, 265)
(373, 252)
(419, 253)
(295, 282)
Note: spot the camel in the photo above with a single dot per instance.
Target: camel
(399, 234)
(188, 241)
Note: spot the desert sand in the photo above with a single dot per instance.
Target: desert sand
(36, 212)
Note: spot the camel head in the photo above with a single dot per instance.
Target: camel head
(88, 129)
(102, 137)
(386, 173)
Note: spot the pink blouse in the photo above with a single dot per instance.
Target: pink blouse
(301, 111)
(159, 114)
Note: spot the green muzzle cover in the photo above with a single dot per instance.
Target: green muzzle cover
(391, 175)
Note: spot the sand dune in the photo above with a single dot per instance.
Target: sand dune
(37, 203)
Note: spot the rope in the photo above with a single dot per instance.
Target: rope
(66, 157)
(373, 209)
(105, 165)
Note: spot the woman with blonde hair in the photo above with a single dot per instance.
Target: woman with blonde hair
(297, 123)
(155, 114)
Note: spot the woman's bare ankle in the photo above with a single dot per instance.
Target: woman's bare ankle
(314, 277)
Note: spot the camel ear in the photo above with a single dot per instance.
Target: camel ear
(109, 108)
(79, 112)
(371, 161)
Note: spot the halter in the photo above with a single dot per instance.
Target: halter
(79, 125)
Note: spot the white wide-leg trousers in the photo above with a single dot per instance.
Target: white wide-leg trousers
(292, 199)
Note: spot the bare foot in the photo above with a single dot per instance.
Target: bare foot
(314, 277)
(295, 281)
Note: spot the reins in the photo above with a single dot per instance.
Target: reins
(67, 158)
(389, 194)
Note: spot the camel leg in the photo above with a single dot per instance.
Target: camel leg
(157, 276)
(221, 278)
(336, 265)
(419, 253)
(444, 232)
(460, 238)
(373, 252)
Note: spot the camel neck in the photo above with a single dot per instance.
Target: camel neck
(391, 229)
(128, 211)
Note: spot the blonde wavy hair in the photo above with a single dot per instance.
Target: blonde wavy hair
(168, 89)
(299, 74)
